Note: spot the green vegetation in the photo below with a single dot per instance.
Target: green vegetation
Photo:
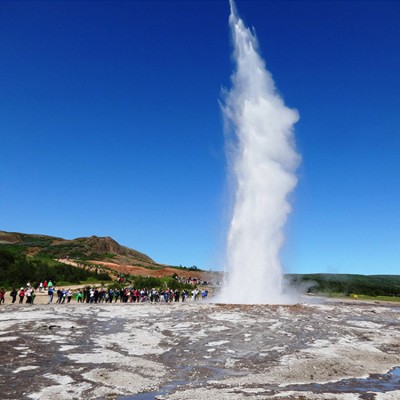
(346, 284)
(356, 296)
(192, 268)
(13, 248)
(150, 282)
(380, 298)
(36, 240)
(17, 269)
(84, 248)
(33, 258)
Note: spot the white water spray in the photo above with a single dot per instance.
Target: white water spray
(262, 160)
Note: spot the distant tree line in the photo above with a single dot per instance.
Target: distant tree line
(153, 282)
(192, 268)
(347, 284)
(17, 270)
(137, 281)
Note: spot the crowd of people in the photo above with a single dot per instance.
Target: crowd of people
(102, 295)
(125, 295)
(26, 294)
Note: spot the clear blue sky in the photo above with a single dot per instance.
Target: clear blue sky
(110, 125)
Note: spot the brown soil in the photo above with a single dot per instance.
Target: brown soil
(154, 272)
(157, 272)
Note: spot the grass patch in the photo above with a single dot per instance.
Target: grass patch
(360, 297)
(13, 248)
(380, 298)
(86, 282)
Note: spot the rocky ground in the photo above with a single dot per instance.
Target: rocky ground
(331, 350)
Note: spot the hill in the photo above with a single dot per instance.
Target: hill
(103, 252)
(84, 248)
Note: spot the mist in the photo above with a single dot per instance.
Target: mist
(262, 161)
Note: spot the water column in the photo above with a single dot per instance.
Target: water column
(262, 162)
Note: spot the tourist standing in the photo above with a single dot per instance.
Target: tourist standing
(176, 295)
(195, 295)
(50, 292)
(91, 295)
(69, 295)
(110, 295)
(21, 295)
(79, 296)
(14, 295)
(28, 294)
(59, 296)
(64, 295)
(184, 295)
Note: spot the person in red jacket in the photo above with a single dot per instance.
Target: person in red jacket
(21, 295)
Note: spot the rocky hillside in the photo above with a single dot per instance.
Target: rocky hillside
(85, 248)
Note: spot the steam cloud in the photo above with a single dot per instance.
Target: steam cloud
(262, 160)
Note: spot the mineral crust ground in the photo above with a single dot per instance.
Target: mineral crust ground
(196, 350)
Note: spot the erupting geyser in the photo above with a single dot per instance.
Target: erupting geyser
(262, 160)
